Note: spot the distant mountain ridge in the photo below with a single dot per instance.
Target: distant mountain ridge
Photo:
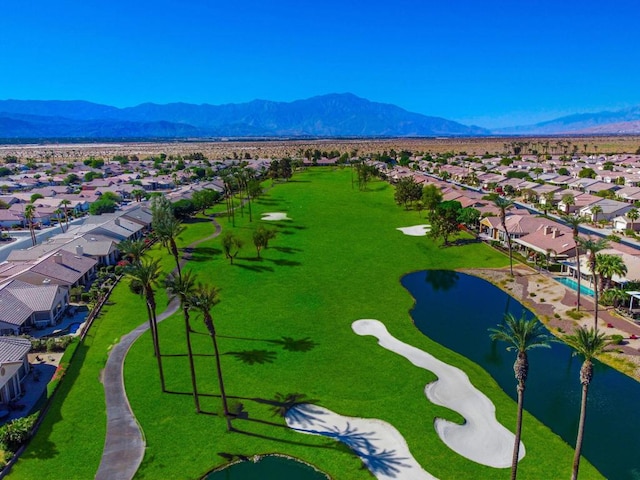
(333, 115)
(623, 122)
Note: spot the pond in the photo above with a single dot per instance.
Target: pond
(269, 467)
(456, 309)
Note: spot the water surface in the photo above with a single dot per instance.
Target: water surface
(456, 309)
(268, 468)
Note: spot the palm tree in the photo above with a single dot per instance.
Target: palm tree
(608, 266)
(58, 213)
(65, 203)
(166, 226)
(593, 247)
(574, 221)
(147, 273)
(522, 335)
(183, 287)
(204, 299)
(137, 194)
(29, 214)
(595, 211)
(167, 232)
(505, 204)
(633, 215)
(132, 250)
(588, 343)
(568, 200)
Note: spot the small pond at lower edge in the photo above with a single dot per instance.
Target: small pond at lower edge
(270, 467)
(455, 310)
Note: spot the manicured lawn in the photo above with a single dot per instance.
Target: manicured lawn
(338, 260)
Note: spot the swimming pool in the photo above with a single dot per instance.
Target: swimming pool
(571, 283)
(73, 328)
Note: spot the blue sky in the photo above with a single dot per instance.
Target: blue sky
(488, 62)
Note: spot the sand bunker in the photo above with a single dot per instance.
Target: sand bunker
(416, 230)
(275, 216)
(381, 447)
(481, 438)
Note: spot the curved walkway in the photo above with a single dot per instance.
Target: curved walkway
(124, 443)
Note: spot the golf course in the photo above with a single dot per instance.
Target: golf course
(285, 328)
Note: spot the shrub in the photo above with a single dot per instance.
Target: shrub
(575, 314)
(16, 432)
(616, 339)
(135, 286)
(85, 297)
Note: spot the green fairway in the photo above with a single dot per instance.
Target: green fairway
(339, 259)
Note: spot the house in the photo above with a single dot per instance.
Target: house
(550, 239)
(9, 219)
(598, 187)
(579, 201)
(517, 225)
(629, 194)
(623, 223)
(606, 210)
(61, 268)
(139, 214)
(14, 367)
(102, 249)
(47, 302)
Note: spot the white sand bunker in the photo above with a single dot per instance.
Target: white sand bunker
(416, 230)
(481, 438)
(380, 446)
(271, 216)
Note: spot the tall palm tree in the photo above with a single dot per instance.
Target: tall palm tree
(166, 226)
(184, 287)
(29, 214)
(147, 273)
(574, 221)
(132, 250)
(589, 343)
(505, 204)
(609, 265)
(167, 232)
(521, 334)
(204, 299)
(593, 247)
(58, 213)
(65, 203)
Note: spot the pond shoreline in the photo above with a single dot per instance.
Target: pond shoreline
(550, 301)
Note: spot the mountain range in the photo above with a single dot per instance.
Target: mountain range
(333, 115)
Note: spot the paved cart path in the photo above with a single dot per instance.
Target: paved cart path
(124, 443)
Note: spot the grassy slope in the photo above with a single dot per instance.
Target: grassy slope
(338, 260)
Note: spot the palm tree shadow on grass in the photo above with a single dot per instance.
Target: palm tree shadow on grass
(385, 461)
(287, 249)
(251, 357)
(285, 263)
(255, 268)
(288, 343)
